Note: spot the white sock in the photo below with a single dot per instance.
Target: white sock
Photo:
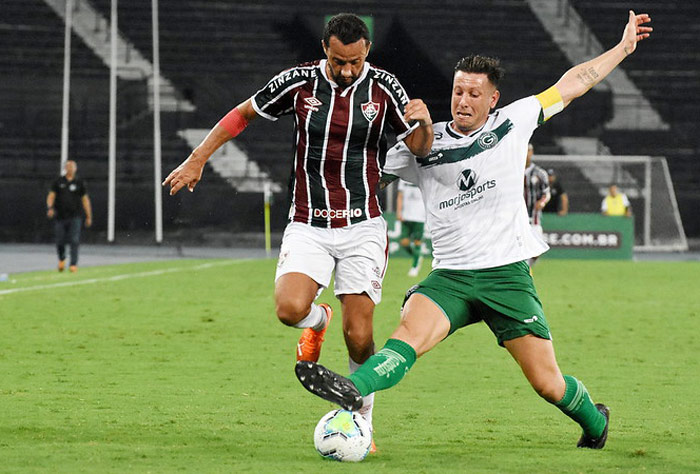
(368, 401)
(316, 319)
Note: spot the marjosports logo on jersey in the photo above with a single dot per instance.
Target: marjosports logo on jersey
(473, 192)
(466, 180)
(337, 213)
(370, 110)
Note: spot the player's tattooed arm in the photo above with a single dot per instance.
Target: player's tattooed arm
(581, 78)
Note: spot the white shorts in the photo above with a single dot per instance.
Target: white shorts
(358, 253)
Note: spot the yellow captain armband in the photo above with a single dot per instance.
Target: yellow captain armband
(551, 102)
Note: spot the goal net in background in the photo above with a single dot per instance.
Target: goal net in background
(644, 179)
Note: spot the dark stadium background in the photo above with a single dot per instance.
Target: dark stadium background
(218, 53)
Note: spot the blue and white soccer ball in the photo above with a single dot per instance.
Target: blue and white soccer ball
(343, 435)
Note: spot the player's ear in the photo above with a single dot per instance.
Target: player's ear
(369, 45)
(325, 47)
(494, 98)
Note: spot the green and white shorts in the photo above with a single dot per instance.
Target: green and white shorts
(503, 297)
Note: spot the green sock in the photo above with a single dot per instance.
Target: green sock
(384, 369)
(416, 254)
(578, 406)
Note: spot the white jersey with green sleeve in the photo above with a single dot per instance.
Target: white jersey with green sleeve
(473, 188)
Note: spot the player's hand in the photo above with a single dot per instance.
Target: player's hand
(187, 174)
(50, 213)
(417, 110)
(88, 221)
(635, 32)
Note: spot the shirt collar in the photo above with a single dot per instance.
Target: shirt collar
(365, 70)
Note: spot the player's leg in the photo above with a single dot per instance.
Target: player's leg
(60, 233)
(294, 296)
(405, 237)
(423, 325)
(358, 311)
(537, 361)
(417, 247)
(303, 270)
(513, 311)
(361, 252)
(74, 226)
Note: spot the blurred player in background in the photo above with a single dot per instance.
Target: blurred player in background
(559, 200)
(66, 202)
(410, 211)
(472, 186)
(615, 203)
(342, 107)
(536, 194)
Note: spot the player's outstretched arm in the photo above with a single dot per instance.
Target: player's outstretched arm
(581, 78)
(189, 172)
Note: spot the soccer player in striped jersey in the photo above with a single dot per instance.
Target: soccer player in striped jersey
(342, 108)
(536, 194)
(472, 185)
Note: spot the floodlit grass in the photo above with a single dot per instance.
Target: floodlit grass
(182, 366)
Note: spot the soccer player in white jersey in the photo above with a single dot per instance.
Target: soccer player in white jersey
(342, 106)
(472, 183)
(410, 211)
(537, 194)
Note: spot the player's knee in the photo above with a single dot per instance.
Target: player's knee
(548, 388)
(291, 310)
(360, 342)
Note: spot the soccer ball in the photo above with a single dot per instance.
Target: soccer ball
(343, 435)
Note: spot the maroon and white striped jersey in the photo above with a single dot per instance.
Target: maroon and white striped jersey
(340, 142)
(536, 187)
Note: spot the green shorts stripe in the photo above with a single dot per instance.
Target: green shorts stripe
(503, 297)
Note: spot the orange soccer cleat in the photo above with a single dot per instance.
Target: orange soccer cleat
(373, 448)
(309, 345)
(61, 265)
(73, 268)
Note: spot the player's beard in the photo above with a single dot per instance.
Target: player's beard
(342, 81)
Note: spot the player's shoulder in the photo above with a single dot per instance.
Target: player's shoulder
(381, 75)
(541, 170)
(386, 79)
(299, 74)
(520, 106)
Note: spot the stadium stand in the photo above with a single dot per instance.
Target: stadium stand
(668, 73)
(218, 53)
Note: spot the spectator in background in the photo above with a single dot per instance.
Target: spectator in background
(410, 211)
(559, 201)
(615, 203)
(66, 199)
(536, 194)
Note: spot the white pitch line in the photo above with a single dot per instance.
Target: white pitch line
(124, 276)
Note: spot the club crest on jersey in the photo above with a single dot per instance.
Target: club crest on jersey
(312, 103)
(370, 110)
(466, 180)
(488, 140)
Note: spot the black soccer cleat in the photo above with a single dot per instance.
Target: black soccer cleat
(597, 443)
(328, 385)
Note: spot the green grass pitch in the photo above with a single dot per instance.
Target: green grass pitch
(182, 366)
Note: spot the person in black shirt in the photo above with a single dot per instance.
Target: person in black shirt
(559, 202)
(64, 202)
